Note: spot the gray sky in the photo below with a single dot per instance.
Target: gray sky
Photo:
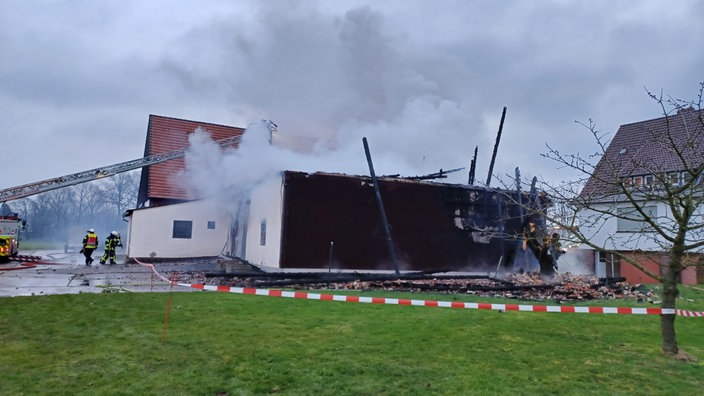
(424, 81)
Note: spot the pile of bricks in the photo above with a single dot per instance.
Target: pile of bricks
(526, 286)
(563, 287)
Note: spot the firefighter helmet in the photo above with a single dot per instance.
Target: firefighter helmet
(114, 233)
(91, 230)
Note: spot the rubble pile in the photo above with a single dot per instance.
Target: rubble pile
(526, 286)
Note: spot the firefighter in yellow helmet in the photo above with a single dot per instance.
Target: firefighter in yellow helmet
(90, 243)
(111, 243)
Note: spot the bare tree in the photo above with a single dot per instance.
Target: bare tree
(121, 191)
(89, 200)
(641, 201)
(52, 211)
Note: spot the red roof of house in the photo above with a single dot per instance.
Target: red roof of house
(668, 144)
(165, 134)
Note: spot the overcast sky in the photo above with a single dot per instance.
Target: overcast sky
(424, 81)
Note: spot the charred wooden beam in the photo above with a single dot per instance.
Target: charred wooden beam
(382, 212)
(496, 147)
(473, 167)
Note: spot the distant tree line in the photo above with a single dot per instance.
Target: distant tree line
(100, 204)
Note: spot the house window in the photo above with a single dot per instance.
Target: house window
(686, 177)
(262, 233)
(649, 180)
(674, 178)
(182, 229)
(637, 180)
(211, 225)
(611, 265)
(629, 220)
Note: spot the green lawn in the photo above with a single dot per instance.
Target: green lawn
(228, 344)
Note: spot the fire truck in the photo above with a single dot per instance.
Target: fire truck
(10, 226)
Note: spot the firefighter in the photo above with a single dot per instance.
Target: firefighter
(90, 243)
(111, 243)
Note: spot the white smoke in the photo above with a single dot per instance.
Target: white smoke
(407, 145)
(338, 78)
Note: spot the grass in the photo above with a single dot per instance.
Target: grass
(227, 344)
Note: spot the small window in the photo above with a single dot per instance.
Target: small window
(211, 225)
(612, 266)
(182, 229)
(262, 233)
(674, 178)
(637, 180)
(686, 177)
(649, 180)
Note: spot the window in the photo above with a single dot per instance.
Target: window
(612, 266)
(673, 178)
(686, 177)
(629, 220)
(649, 180)
(637, 180)
(182, 229)
(211, 225)
(262, 233)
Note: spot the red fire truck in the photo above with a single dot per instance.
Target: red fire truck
(10, 226)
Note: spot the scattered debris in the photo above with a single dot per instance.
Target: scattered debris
(526, 286)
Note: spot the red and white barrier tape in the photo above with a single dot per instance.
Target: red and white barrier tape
(444, 304)
(151, 268)
(432, 303)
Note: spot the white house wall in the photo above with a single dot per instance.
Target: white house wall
(265, 206)
(604, 233)
(151, 230)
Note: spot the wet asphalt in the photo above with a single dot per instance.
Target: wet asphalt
(66, 273)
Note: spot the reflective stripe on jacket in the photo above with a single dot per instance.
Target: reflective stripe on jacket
(90, 241)
(112, 242)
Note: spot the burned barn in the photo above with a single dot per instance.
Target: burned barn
(332, 221)
(329, 221)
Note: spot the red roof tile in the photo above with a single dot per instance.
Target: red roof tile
(165, 134)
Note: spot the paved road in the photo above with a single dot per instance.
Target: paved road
(66, 273)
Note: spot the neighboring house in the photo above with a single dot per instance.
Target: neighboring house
(642, 156)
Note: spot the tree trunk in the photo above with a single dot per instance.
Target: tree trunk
(669, 299)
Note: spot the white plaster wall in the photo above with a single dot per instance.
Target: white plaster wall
(151, 229)
(604, 234)
(266, 204)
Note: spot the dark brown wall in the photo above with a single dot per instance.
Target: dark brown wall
(320, 208)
